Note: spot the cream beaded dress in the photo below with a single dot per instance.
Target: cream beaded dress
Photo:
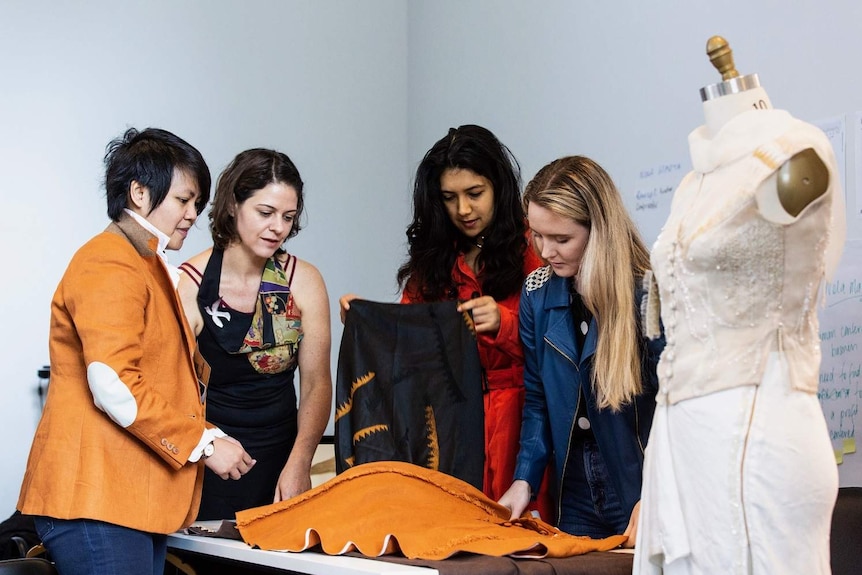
(739, 472)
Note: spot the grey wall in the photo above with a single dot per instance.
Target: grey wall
(618, 81)
(355, 93)
(324, 81)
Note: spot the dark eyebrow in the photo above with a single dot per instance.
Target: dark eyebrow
(267, 206)
(468, 190)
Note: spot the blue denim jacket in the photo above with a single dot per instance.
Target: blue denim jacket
(554, 370)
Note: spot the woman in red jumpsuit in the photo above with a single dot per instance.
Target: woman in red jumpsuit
(468, 242)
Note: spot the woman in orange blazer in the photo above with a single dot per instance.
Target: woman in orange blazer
(118, 455)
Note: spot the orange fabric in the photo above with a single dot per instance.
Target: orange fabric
(388, 507)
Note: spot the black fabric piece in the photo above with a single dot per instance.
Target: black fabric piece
(409, 388)
(226, 530)
(17, 534)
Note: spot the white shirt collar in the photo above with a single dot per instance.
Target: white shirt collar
(163, 244)
(163, 239)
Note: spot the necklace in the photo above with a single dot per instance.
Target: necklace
(478, 242)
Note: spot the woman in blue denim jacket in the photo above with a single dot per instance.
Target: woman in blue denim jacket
(589, 372)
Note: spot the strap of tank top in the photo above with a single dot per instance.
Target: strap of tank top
(291, 263)
(193, 272)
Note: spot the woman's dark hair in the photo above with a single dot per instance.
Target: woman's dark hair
(150, 158)
(434, 241)
(249, 172)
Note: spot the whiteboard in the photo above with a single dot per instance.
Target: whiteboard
(841, 363)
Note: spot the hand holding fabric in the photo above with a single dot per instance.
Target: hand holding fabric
(632, 530)
(344, 304)
(485, 312)
(292, 481)
(516, 498)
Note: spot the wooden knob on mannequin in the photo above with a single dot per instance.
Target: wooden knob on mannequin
(721, 56)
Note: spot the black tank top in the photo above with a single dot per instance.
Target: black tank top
(256, 408)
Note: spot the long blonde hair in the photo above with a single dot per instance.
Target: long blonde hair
(614, 261)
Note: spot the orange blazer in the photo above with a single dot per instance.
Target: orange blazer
(124, 408)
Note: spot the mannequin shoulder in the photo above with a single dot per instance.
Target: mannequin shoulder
(800, 180)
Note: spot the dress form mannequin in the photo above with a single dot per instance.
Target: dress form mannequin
(753, 231)
(804, 177)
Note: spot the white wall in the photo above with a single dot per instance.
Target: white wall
(355, 93)
(323, 81)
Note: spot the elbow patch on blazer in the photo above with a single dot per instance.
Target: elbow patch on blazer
(111, 395)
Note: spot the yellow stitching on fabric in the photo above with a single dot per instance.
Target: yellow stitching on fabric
(766, 158)
(345, 407)
(366, 431)
(468, 319)
(433, 443)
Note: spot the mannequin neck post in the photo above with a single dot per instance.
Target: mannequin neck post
(725, 100)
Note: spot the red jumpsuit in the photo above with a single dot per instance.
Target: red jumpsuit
(503, 363)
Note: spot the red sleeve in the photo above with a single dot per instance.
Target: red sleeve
(507, 339)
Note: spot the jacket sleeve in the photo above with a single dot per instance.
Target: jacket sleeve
(535, 427)
(106, 296)
(506, 340)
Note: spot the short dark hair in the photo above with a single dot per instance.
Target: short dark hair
(250, 171)
(150, 158)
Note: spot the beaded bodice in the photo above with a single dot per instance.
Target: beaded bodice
(737, 281)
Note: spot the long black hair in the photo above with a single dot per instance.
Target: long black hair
(434, 241)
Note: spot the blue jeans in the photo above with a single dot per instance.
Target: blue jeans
(87, 547)
(589, 504)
